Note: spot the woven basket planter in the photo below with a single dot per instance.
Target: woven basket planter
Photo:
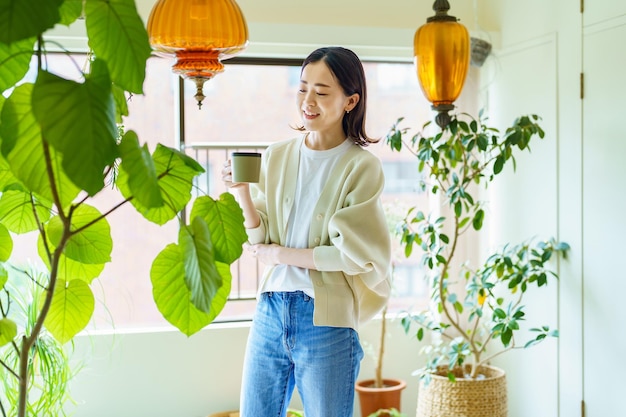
(485, 397)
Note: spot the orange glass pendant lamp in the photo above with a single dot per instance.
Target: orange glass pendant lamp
(199, 34)
(442, 58)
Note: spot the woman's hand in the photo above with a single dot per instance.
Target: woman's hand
(242, 194)
(266, 253)
(274, 254)
(227, 177)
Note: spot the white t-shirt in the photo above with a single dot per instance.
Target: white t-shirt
(313, 171)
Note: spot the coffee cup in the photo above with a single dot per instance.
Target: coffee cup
(246, 166)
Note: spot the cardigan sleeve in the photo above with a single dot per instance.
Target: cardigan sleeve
(359, 237)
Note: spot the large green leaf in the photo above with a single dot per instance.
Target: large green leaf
(7, 179)
(71, 309)
(175, 172)
(142, 177)
(121, 105)
(70, 11)
(28, 163)
(21, 19)
(14, 62)
(173, 298)
(69, 269)
(24, 150)
(6, 244)
(16, 212)
(79, 121)
(201, 274)
(118, 36)
(16, 120)
(187, 160)
(93, 245)
(8, 331)
(225, 220)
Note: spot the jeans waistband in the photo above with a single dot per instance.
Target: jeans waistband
(285, 295)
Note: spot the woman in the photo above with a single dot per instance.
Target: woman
(316, 221)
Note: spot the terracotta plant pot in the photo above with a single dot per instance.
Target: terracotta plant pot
(464, 397)
(373, 399)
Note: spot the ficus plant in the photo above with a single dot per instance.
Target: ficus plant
(61, 144)
(466, 320)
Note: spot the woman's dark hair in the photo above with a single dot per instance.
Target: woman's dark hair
(348, 69)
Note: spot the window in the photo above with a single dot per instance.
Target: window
(249, 105)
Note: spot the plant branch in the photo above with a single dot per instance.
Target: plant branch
(444, 271)
(381, 350)
(4, 413)
(4, 312)
(29, 342)
(111, 210)
(8, 368)
(40, 227)
(489, 358)
(474, 333)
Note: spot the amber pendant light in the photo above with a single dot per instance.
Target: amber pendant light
(442, 58)
(200, 34)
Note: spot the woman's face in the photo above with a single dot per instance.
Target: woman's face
(321, 100)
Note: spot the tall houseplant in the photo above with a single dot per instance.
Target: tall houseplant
(467, 321)
(60, 143)
(378, 395)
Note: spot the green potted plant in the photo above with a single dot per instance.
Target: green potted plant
(468, 321)
(381, 393)
(60, 144)
(387, 412)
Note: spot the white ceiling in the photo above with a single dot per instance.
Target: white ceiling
(401, 14)
(375, 29)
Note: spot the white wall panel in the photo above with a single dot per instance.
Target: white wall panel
(524, 20)
(523, 205)
(597, 11)
(604, 207)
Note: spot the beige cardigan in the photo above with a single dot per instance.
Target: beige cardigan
(352, 248)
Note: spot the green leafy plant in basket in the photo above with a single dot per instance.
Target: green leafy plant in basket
(466, 320)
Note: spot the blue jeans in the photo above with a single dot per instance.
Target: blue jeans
(286, 350)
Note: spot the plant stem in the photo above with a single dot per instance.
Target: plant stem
(29, 341)
(441, 289)
(378, 383)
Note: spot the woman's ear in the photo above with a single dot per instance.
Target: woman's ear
(352, 101)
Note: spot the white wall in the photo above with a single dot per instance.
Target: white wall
(535, 69)
(579, 197)
(166, 374)
(523, 205)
